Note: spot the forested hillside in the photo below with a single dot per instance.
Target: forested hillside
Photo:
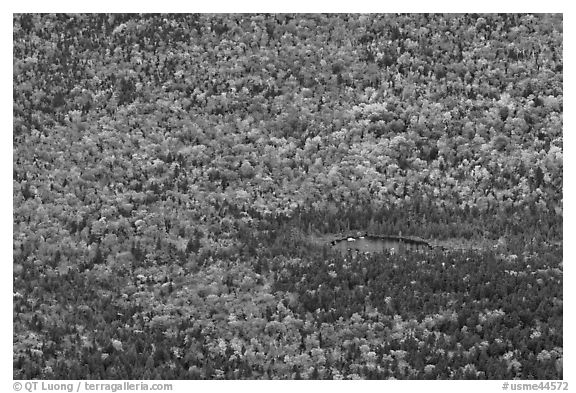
(172, 175)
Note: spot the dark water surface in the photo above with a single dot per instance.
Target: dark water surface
(375, 244)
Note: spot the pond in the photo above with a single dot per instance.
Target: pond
(376, 244)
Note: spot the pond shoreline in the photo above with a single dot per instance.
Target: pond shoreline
(445, 244)
(378, 243)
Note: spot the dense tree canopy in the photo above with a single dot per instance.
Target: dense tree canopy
(172, 172)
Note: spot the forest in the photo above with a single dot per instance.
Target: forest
(176, 178)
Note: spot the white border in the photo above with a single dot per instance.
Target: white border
(291, 6)
(301, 6)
